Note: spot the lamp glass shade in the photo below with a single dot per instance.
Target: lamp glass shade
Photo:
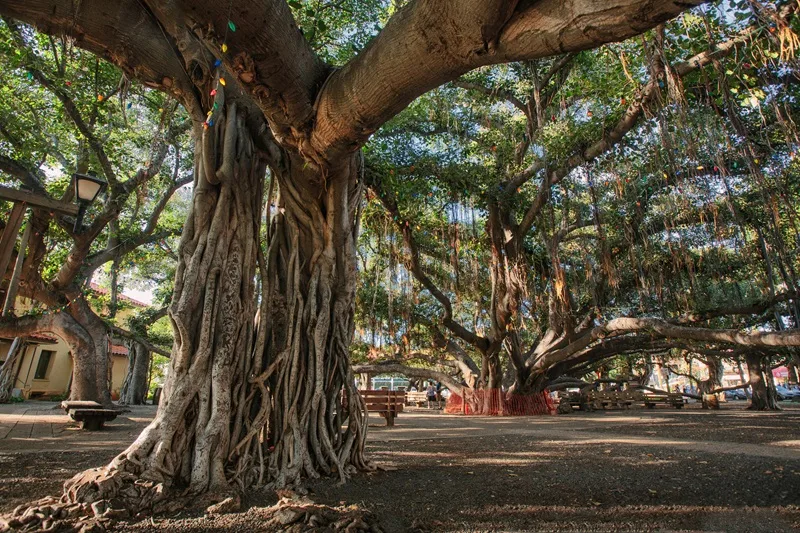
(87, 188)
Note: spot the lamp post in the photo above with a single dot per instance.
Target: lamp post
(87, 188)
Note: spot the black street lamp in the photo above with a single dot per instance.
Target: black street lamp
(87, 188)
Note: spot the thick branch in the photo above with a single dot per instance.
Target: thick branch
(141, 340)
(756, 308)
(123, 32)
(428, 43)
(395, 368)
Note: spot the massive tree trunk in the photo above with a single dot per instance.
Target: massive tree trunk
(134, 389)
(311, 274)
(761, 399)
(252, 399)
(191, 442)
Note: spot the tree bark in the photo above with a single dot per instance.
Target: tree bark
(761, 399)
(134, 389)
(91, 365)
(714, 381)
(7, 373)
(311, 281)
(85, 385)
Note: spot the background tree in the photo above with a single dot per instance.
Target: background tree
(74, 113)
(656, 212)
(269, 404)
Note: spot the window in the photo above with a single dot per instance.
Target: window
(44, 364)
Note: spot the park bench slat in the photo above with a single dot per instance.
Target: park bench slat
(387, 403)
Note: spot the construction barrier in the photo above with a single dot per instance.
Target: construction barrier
(495, 402)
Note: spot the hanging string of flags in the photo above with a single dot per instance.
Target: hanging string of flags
(218, 93)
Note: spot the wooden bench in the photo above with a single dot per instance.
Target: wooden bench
(610, 399)
(419, 399)
(91, 415)
(388, 403)
(575, 399)
(651, 399)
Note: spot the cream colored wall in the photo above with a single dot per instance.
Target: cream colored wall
(119, 368)
(59, 372)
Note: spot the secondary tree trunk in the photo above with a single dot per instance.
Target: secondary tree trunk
(761, 399)
(91, 364)
(311, 273)
(714, 381)
(134, 389)
(85, 372)
(7, 373)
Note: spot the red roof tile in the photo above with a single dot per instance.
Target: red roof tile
(97, 288)
(119, 349)
(43, 338)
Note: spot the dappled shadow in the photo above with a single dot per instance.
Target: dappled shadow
(636, 473)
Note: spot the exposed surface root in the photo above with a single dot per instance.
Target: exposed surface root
(293, 512)
(94, 500)
(297, 514)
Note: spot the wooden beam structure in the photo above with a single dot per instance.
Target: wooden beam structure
(10, 234)
(37, 201)
(13, 285)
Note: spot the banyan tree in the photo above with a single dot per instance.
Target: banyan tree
(556, 214)
(260, 389)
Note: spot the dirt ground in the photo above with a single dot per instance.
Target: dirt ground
(633, 470)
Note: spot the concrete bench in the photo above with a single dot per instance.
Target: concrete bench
(92, 419)
(67, 405)
(90, 414)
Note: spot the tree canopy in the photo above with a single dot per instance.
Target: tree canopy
(532, 191)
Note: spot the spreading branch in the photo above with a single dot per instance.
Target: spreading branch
(396, 368)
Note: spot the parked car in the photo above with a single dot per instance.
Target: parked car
(737, 394)
(786, 394)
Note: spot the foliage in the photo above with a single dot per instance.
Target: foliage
(694, 210)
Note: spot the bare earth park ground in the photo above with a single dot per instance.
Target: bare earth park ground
(635, 470)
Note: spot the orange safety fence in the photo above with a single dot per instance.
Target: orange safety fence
(495, 402)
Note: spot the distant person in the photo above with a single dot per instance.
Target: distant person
(430, 394)
(445, 394)
(413, 388)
